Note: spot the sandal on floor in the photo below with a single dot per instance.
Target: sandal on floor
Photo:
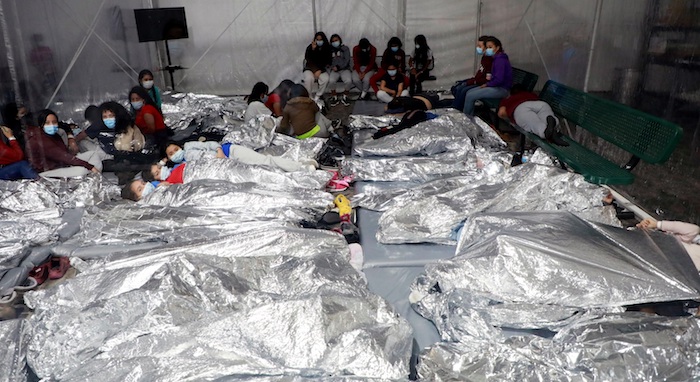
(40, 273)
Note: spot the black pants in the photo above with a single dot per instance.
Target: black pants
(416, 82)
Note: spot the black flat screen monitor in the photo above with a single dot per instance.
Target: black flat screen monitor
(157, 24)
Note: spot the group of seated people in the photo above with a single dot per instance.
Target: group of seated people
(327, 62)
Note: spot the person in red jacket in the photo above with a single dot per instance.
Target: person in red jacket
(12, 163)
(148, 119)
(157, 176)
(46, 150)
(526, 110)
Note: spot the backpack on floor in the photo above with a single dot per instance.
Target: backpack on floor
(409, 119)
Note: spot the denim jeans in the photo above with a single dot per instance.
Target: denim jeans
(480, 93)
(18, 170)
(460, 92)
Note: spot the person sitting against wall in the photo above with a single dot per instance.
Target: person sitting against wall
(391, 85)
(501, 77)
(460, 89)
(12, 163)
(147, 82)
(533, 115)
(392, 54)
(148, 119)
(364, 58)
(688, 234)
(340, 69)
(49, 155)
(256, 102)
(304, 117)
(317, 63)
(96, 136)
(419, 64)
(278, 98)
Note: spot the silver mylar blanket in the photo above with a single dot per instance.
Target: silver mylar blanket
(540, 270)
(431, 214)
(612, 347)
(258, 302)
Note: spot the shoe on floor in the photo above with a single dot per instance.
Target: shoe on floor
(333, 101)
(344, 100)
(335, 124)
(362, 95)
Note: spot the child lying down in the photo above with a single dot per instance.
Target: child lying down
(196, 150)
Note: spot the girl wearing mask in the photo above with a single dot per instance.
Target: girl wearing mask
(318, 62)
(462, 87)
(146, 80)
(392, 85)
(49, 155)
(419, 63)
(256, 102)
(148, 119)
(340, 69)
(127, 137)
(364, 57)
(392, 54)
(304, 117)
(500, 81)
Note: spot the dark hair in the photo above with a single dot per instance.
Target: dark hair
(496, 42)
(259, 90)
(298, 90)
(127, 193)
(334, 35)
(483, 38)
(282, 90)
(42, 115)
(392, 62)
(422, 41)
(394, 41)
(323, 36)
(396, 104)
(147, 176)
(120, 114)
(92, 114)
(143, 93)
(143, 73)
(364, 43)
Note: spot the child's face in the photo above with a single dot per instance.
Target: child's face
(155, 171)
(137, 188)
(171, 149)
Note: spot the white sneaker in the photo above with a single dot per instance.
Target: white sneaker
(363, 95)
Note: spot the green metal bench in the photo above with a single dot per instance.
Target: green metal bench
(522, 77)
(646, 137)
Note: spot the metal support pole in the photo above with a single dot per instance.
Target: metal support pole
(401, 21)
(479, 8)
(10, 56)
(313, 15)
(596, 21)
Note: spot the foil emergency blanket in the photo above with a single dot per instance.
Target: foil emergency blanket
(212, 114)
(248, 199)
(624, 347)
(30, 214)
(434, 216)
(269, 302)
(405, 169)
(237, 172)
(84, 191)
(13, 352)
(539, 270)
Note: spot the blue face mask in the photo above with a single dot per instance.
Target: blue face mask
(319, 42)
(336, 44)
(110, 122)
(394, 48)
(479, 50)
(137, 105)
(264, 99)
(164, 173)
(178, 157)
(51, 129)
(147, 189)
(391, 72)
(489, 52)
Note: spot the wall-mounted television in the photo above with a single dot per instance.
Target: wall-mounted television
(157, 24)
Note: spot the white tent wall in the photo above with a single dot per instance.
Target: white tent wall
(562, 31)
(234, 44)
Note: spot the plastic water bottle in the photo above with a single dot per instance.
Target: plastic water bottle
(526, 156)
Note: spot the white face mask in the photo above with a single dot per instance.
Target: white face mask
(147, 84)
(164, 173)
(147, 189)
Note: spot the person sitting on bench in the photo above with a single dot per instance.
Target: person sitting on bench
(460, 89)
(526, 110)
(500, 80)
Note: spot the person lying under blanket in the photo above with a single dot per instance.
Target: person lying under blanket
(422, 101)
(196, 150)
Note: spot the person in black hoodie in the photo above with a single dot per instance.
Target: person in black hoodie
(317, 63)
